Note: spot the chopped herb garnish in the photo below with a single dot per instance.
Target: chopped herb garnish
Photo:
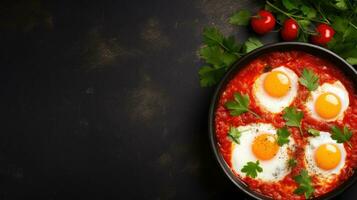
(309, 79)
(293, 117)
(305, 186)
(341, 136)
(313, 132)
(292, 162)
(252, 169)
(239, 105)
(234, 134)
(283, 136)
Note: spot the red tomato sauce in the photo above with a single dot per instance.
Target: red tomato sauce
(243, 82)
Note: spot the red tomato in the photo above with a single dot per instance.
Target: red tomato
(263, 23)
(325, 34)
(290, 30)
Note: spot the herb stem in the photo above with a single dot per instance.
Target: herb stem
(238, 54)
(225, 48)
(220, 43)
(318, 8)
(349, 144)
(306, 31)
(292, 15)
(354, 26)
(300, 130)
(255, 114)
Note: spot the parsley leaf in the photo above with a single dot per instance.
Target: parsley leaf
(305, 186)
(231, 46)
(219, 53)
(309, 12)
(341, 136)
(234, 135)
(252, 169)
(289, 4)
(240, 18)
(251, 44)
(340, 24)
(313, 132)
(292, 162)
(293, 117)
(351, 60)
(239, 105)
(212, 36)
(210, 75)
(341, 4)
(283, 136)
(212, 55)
(309, 79)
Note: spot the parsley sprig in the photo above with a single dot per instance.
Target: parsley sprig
(309, 79)
(239, 105)
(340, 14)
(219, 53)
(293, 117)
(252, 169)
(341, 136)
(292, 162)
(283, 136)
(234, 134)
(304, 182)
(313, 132)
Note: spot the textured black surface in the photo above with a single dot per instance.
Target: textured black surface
(101, 100)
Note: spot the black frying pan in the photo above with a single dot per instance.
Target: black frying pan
(284, 46)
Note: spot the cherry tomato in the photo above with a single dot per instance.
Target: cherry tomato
(290, 30)
(263, 23)
(324, 34)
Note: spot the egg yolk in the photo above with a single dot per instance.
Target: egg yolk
(265, 147)
(327, 156)
(328, 105)
(276, 84)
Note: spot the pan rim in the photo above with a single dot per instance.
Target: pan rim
(282, 46)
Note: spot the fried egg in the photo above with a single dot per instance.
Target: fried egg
(324, 157)
(328, 102)
(258, 141)
(275, 90)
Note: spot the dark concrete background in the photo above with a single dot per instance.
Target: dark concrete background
(101, 100)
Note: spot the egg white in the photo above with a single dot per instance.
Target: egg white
(311, 166)
(275, 104)
(273, 170)
(336, 88)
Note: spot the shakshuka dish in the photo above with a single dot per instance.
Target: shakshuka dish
(286, 123)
